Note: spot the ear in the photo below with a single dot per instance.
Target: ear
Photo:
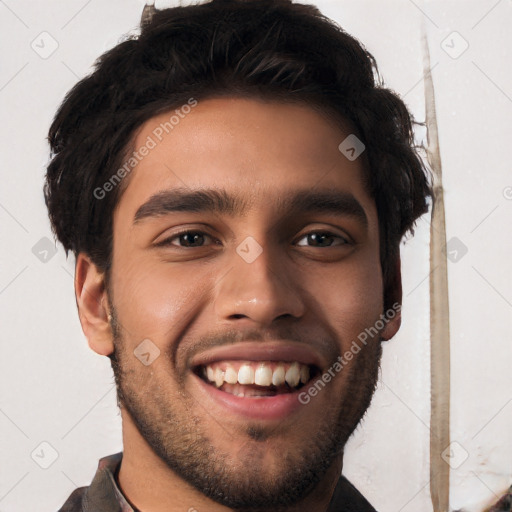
(393, 302)
(91, 299)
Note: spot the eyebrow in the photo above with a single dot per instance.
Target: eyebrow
(222, 203)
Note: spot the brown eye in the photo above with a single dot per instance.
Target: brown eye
(322, 239)
(190, 239)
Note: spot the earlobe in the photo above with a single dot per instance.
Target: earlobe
(393, 301)
(394, 320)
(91, 298)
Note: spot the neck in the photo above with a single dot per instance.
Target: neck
(151, 486)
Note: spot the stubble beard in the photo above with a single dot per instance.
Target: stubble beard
(241, 483)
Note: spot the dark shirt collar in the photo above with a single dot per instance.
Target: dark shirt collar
(103, 495)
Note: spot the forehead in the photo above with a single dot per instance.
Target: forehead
(249, 147)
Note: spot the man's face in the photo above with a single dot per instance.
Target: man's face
(259, 284)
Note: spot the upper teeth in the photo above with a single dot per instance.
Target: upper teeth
(259, 373)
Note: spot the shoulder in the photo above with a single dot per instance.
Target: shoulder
(75, 500)
(504, 504)
(102, 491)
(347, 497)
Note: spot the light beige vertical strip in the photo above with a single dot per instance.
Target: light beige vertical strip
(148, 12)
(439, 310)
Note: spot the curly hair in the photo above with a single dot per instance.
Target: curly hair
(274, 49)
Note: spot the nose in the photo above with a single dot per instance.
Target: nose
(261, 291)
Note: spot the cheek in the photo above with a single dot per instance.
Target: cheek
(351, 297)
(153, 300)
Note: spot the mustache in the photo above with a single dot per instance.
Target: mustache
(327, 345)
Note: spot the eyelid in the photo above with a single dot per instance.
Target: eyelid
(327, 230)
(203, 231)
(167, 240)
(345, 239)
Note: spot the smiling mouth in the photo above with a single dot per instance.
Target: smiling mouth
(257, 378)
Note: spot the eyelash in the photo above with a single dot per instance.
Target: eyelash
(168, 241)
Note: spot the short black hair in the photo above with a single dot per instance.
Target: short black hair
(272, 49)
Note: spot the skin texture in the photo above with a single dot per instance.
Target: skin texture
(181, 449)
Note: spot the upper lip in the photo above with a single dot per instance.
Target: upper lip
(261, 351)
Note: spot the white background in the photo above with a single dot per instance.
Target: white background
(54, 389)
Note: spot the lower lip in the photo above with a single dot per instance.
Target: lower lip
(265, 408)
